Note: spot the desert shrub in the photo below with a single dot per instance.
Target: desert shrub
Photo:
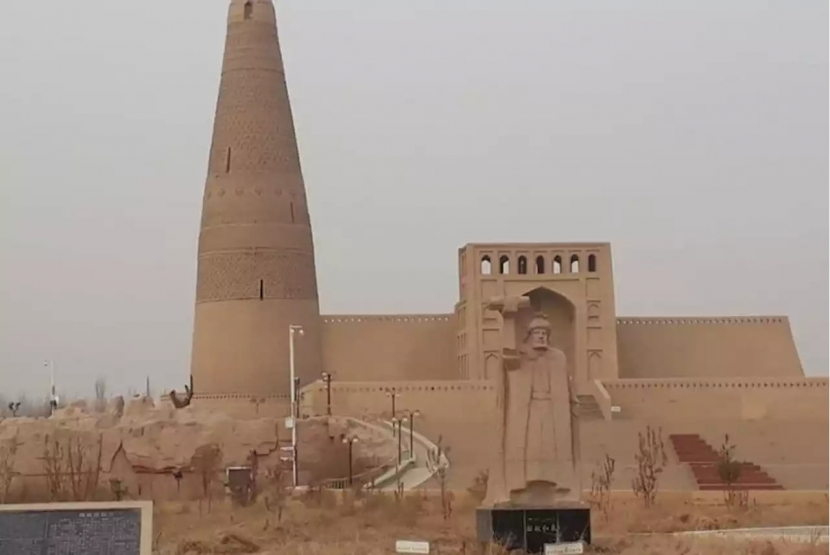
(8, 454)
(275, 495)
(601, 480)
(437, 464)
(72, 468)
(729, 471)
(651, 459)
(207, 462)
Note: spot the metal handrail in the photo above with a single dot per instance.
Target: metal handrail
(364, 477)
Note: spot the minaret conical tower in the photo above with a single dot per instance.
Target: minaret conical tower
(256, 273)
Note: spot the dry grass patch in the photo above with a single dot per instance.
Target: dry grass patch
(352, 523)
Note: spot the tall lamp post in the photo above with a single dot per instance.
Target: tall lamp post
(350, 441)
(411, 415)
(293, 330)
(53, 395)
(393, 395)
(397, 424)
(327, 380)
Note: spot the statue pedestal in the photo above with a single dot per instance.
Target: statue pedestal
(531, 527)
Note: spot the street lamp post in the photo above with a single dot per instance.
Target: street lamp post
(397, 425)
(53, 395)
(295, 405)
(412, 414)
(350, 441)
(393, 395)
(327, 380)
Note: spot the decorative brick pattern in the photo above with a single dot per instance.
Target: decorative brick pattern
(237, 275)
(241, 206)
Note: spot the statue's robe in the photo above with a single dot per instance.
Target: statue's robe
(537, 440)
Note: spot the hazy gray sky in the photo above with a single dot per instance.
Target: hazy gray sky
(691, 134)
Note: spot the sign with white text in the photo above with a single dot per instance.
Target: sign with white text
(403, 546)
(573, 548)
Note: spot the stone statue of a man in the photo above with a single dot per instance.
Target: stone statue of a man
(535, 461)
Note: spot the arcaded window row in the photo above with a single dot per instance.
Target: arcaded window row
(539, 266)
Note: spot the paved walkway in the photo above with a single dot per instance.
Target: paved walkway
(804, 534)
(416, 473)
(801, 534)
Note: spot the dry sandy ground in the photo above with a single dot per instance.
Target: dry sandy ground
(322, 524)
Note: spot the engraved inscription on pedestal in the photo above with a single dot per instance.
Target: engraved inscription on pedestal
(88, 528)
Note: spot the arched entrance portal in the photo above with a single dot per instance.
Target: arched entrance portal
(562, 316)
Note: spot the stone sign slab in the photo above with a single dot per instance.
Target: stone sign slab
(118, 528)
(532, 528)
(405, 546)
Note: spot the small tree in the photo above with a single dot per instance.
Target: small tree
(100, 394)
(207, 461)
(72, 469)
(53, 468)
(8, 452)
(439, 467)
(651, 459)
(729, 471)
(601, 481)
(276, 494)
(119, 491)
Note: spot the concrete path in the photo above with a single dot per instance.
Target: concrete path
(416, 472)
(803, 534)
(419, 472)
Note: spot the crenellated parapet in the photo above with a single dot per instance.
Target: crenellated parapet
(733, 383)
(700, 321)
(387, 318)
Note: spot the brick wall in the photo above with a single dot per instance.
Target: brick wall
(388, 348)
(678, 347)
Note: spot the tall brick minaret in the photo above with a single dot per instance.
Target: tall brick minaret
(256, 273)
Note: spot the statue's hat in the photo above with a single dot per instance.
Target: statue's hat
(539, 322)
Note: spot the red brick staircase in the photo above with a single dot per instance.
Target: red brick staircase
(703, 460)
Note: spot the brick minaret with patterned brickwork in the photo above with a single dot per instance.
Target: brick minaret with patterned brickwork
(256, 273)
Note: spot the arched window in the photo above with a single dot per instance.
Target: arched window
(249, 9)
(522, 265)
(486, 265)
(574, 264)
(504, 265)
(540, 264)
(592, 263)
(557, 265)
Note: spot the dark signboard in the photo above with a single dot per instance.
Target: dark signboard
(531, 528)
(112, 531)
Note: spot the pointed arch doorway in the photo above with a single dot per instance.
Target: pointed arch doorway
(561, 313)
